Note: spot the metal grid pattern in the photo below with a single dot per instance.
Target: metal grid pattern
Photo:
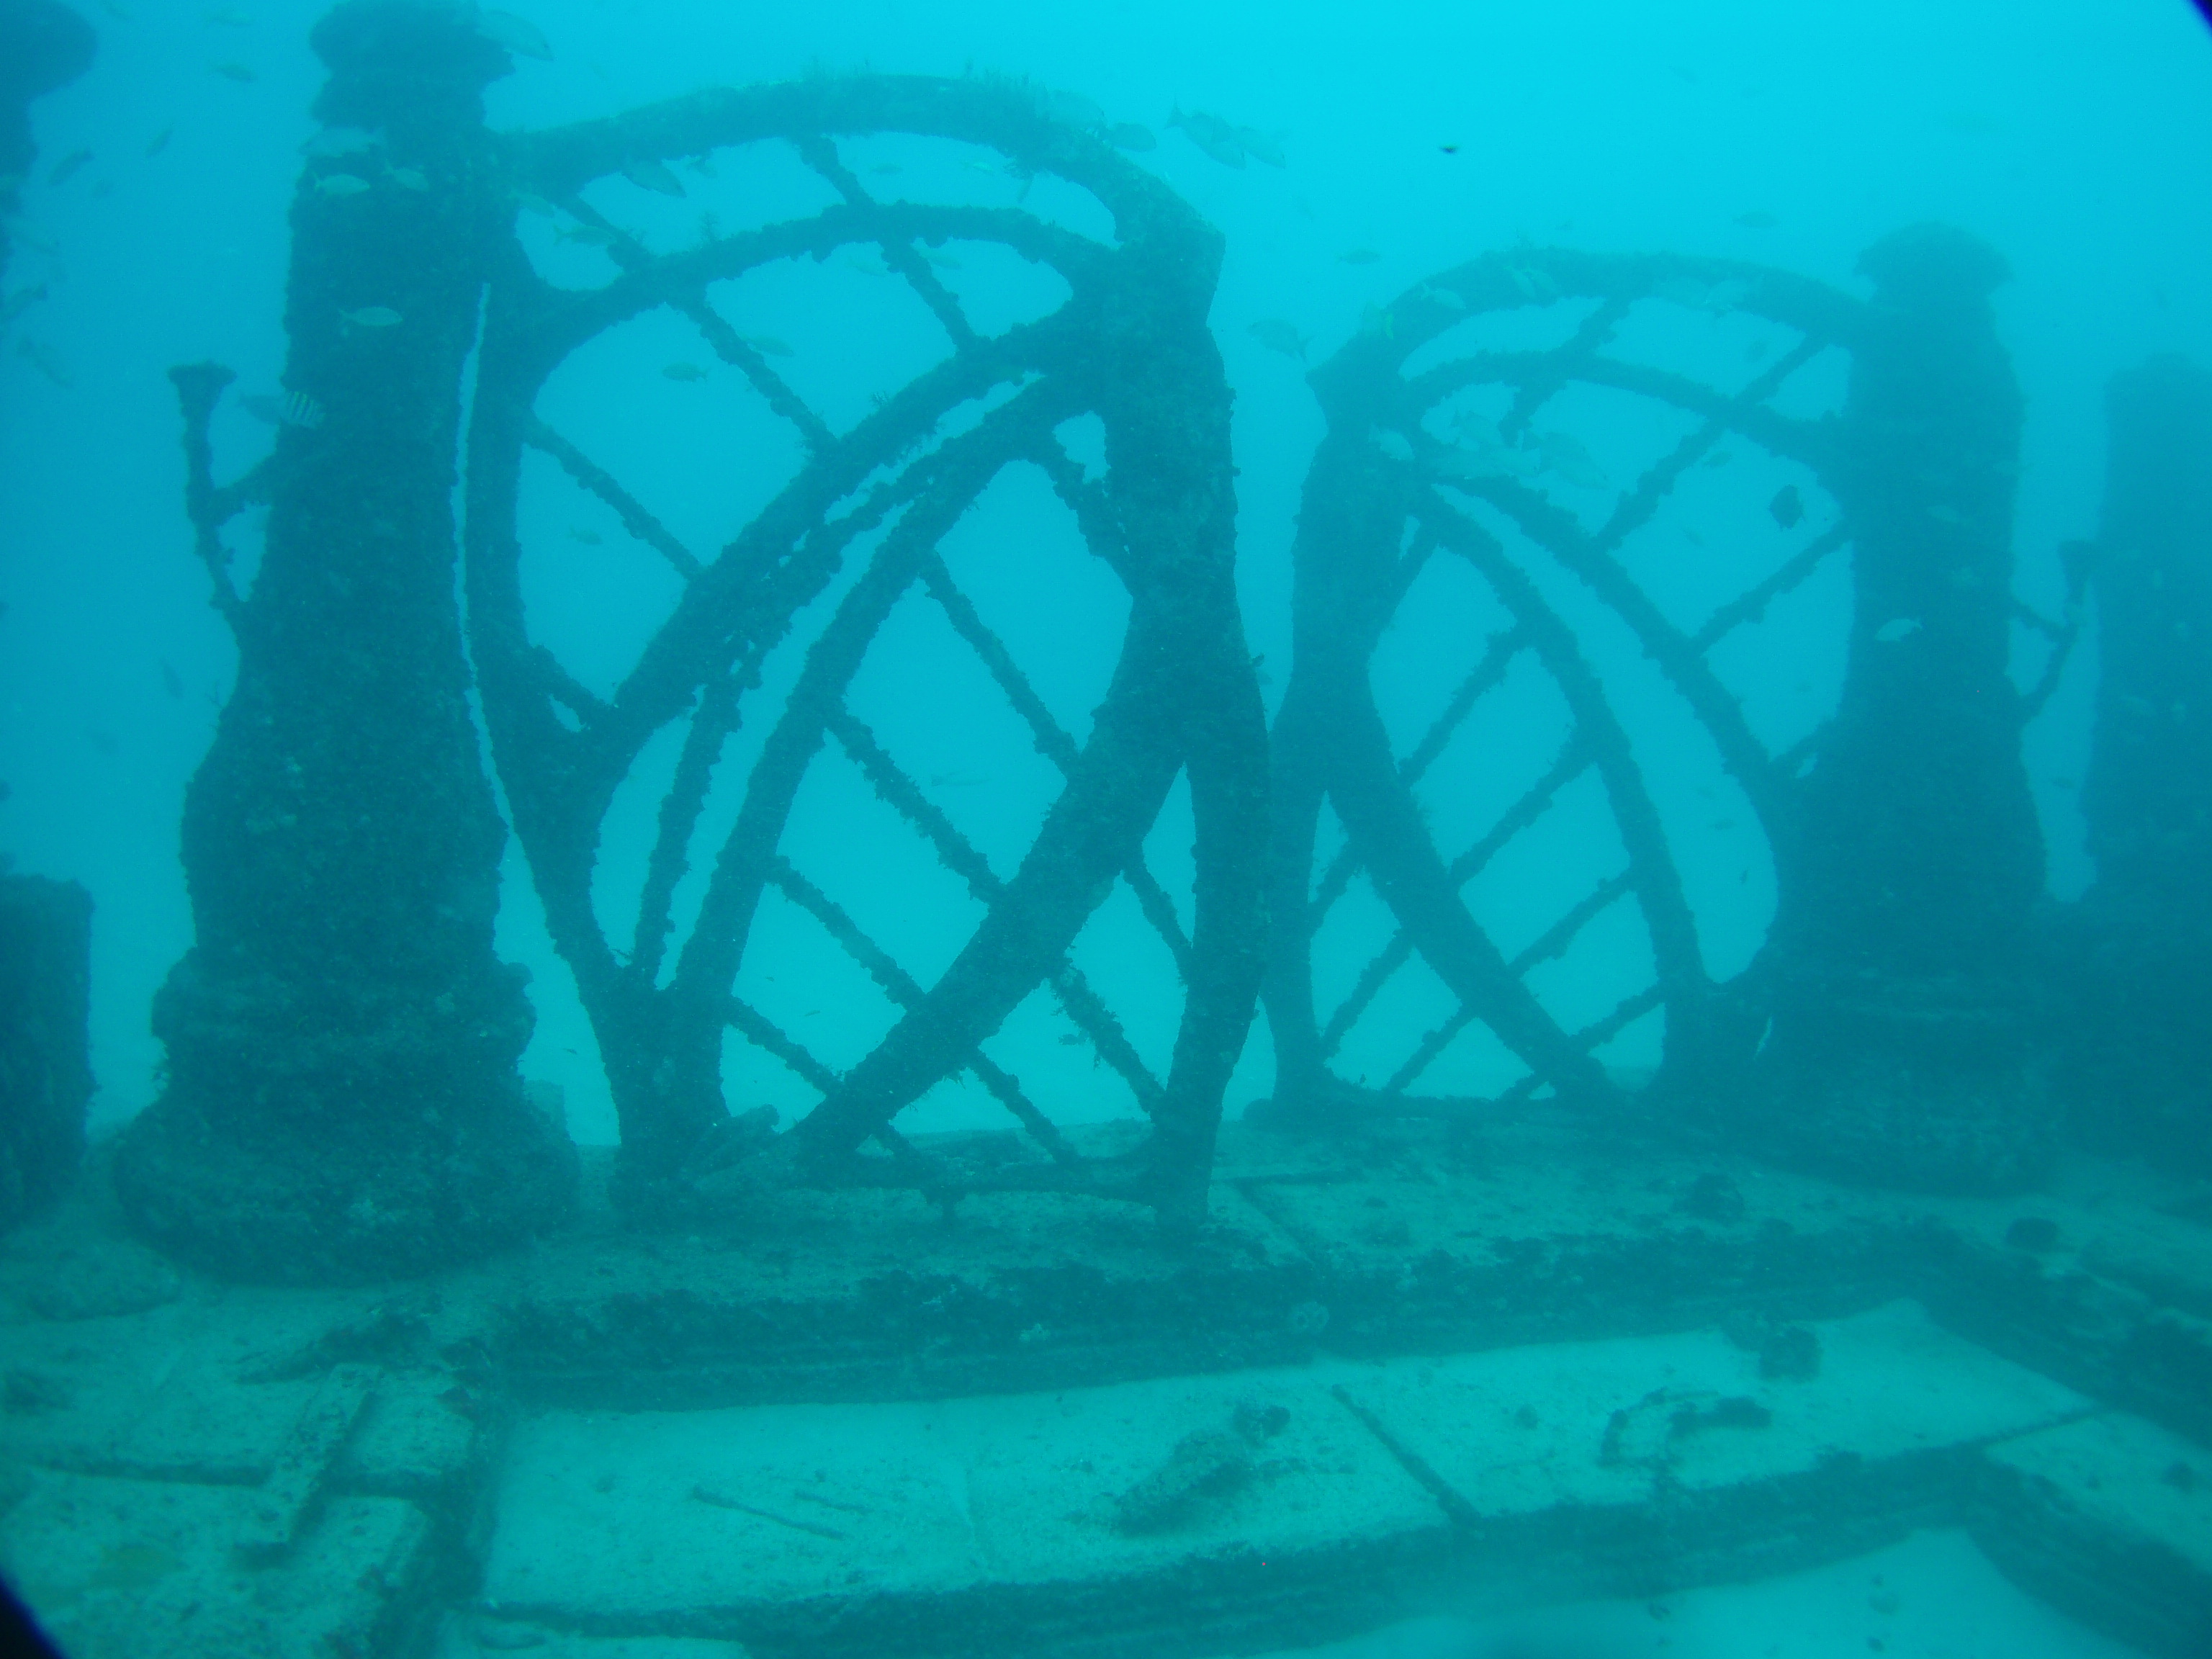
(1129, 346)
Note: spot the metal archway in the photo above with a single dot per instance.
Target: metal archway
(1389, 491)
(1129, 346)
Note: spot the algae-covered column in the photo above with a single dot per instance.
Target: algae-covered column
(342, 1101)
(2138, 966)
(1904, 1045)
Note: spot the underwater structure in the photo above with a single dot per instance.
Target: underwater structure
(342, 1099)
(2136, 949)
(1891, 1011)
(46, 926)
(374, 1363)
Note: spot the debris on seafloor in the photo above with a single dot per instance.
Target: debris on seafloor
(1206, 1466)
(1787, 1352)
(1649, 1432)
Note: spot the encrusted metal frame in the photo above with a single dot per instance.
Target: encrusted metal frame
(1372, 519)
(1131, 347)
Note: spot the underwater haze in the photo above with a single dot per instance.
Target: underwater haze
(1374, 830)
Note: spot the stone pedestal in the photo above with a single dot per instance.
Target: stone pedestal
(343, 1101)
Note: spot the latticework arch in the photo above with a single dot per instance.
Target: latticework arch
(855, 530)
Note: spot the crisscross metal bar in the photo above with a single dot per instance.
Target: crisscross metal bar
(1572, 761)
(763, 1033)
(1053, 741)
(904, 796)
(635, 517)
(1497, 656)
(820, 153)
(1751, 604)
(1561, 933)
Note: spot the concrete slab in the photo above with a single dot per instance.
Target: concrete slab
(118, 1568)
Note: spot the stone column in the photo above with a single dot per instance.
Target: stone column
(342, 1101)
(2137, 956)
(1905, 1044)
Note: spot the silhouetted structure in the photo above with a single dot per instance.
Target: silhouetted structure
(2138, 966)
(1907, 1046)
(342, 1101)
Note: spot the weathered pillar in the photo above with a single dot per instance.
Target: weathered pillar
(42, 45)
(2137, 958)
(45, 1070)
(342, 1101)
(1905, 1047)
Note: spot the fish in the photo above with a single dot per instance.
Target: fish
(649, 173)
(1071, 109)
(159, 141)
(865, 260)
(1374, 319)
(286, 408)
(241, 73)
(69, 167)
(599, 235)
(1261, 147)
(589, 537)
(44, 358)
(1132, 135)
(332, 143)
(20, 301)
(767, 344)
(1440, 296)
(1277, 334)
(680, 370)
(1394, 446)
(1897, 628)
(1788, 506)
(537, 204)
(340, 184)
(407, 178)
(1757, 219)
(230, 17)
(369, 316)
(941, 260)
(515, 34)
(1359, 256)
(1534, 284)
(1213, 135)
(882, 168)
(171, 681)
(1563, 454)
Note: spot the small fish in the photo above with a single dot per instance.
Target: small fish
(1564, 455)
(407, 178)
(683, 371)
(865, 260)
(44, 358)
(704, 166)
(767, 344)
(230, 17)
(20, 301)
(1788, 506)
(1897, 628)
(599, 235)
(1213, 135)
(941, 260)
(649, 173)
(1261, 147)
(1394, 446)
(171, 681)
(1440, 296)
(1534, 284)
(537, 204)
(241, 73)
(515, 34)
(369, 316)
(884, 168)
(1072, 109)
(331, 142)
(1757, 219)
(589, 537)
(336, 184)
(103, 741)
(1359, 256)
(1374, 319)
(1071, 1040)
(1277, 334)
(69, 167)
(1720, 457)
(1131, 136)
(290, 408)
(159, 141)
